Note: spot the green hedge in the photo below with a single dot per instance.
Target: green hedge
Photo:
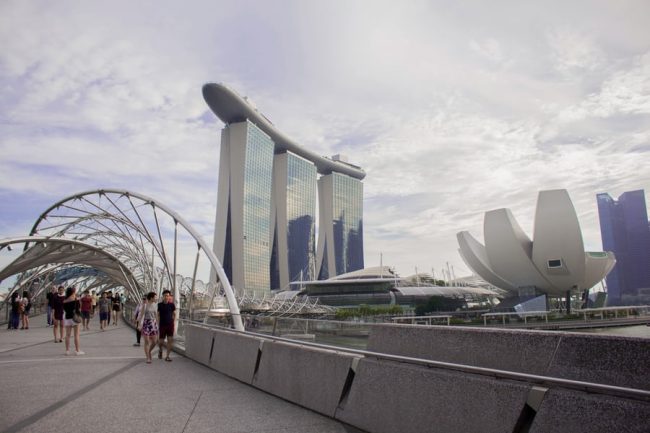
(366, 310)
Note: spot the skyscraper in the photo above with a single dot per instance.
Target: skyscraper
(340, 237)
(294, 248)
(266, 206)
(625, 230)
(242, 226)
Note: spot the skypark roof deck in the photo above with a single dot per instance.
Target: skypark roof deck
(230, 107)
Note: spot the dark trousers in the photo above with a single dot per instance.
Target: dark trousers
(14, 319)
(138, 335)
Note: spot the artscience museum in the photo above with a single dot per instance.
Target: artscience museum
(553, 263)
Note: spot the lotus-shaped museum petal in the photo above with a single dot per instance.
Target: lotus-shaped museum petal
(553, 263)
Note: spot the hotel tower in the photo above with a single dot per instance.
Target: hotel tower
(265, 226)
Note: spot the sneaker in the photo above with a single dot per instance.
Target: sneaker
(79, 353)
(136, 344)
(67, 353)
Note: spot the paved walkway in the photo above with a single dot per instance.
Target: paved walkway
(111, 389)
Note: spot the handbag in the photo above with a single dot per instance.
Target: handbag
(76, 315)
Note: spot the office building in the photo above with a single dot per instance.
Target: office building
(625, 231)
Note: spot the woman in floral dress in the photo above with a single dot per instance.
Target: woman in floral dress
(148, 324)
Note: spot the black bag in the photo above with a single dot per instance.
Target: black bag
(76, 315)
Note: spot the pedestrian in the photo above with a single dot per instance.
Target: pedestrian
(86, 307)
(104, 306)
(109, 296)
(166, 320)
(117, 307)
(136, 320)
(14, 316)
(57, 307)
(48, 299)
(71, 306)
(26, 308)
(94, 297)
(148, 324)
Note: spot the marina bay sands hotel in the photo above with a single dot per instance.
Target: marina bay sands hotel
(266, 206)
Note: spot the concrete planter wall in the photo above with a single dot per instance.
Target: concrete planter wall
(619, 361)
(385, 396)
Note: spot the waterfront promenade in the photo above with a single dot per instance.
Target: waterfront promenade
(111, 389)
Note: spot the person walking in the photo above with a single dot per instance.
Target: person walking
(48, 299)
(14, 315)
(117, 307)
(71, 305)
(95, 298)
(57, 307)
(109, 296)
(26, 308)
(166, 319)
(86, 307)
(148, 324)
(104, 306)
(136, 320)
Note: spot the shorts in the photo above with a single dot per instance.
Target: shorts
(103, 316)
(69, 322)
(167, 330)
(58, 315)
(85, 314)
(116, 308)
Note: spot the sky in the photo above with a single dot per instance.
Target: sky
(452, 108)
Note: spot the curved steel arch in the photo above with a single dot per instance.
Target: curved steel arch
(201, 245)
(85, 254)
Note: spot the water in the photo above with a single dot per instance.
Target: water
(642, 331)
(361, 343)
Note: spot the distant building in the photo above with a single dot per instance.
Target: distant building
(625, 231)
(266, 206)
(381, 286)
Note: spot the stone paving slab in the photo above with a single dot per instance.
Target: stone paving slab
(112, 389)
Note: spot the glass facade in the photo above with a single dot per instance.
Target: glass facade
(625, 231)
(265, 229)
(301, 217)
(347, 224)
(295, 220)
(258, 166)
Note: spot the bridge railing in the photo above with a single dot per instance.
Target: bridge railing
(424, 376)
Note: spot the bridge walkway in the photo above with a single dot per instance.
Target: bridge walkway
(112, 389)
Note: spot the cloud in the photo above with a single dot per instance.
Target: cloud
(573, 52)
(490, 49)
(452, 109)
(626, 92)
